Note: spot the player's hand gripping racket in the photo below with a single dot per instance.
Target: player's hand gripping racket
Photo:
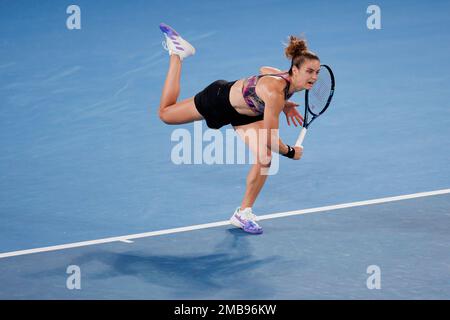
(317, 99)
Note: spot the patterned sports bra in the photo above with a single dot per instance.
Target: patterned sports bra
(249, 91)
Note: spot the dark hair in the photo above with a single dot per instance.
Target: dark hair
(297, 51)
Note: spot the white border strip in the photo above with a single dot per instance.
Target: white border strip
(127, 239)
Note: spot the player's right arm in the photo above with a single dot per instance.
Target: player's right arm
(271, 91)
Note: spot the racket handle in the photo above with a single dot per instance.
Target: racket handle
(301, 137)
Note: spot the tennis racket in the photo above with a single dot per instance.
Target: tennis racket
(317, 99)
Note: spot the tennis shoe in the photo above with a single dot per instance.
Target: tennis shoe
(175, 44)
(246, 220)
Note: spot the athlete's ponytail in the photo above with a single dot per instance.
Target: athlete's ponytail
(297, 51)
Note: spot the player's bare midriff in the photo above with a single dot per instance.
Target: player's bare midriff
(237, 100)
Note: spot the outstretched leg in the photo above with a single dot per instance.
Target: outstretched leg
(170, 111)
(243, 217)
(171, 89)
(257, 176)
(254, 183)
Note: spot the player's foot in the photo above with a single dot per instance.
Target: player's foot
(246, 220)
(175, 44)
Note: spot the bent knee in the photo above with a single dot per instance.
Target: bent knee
(165, 117)
(265, 165)
(265, 160)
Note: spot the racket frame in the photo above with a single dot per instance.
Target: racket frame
(306, 123)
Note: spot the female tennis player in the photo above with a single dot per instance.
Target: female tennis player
(253, 103)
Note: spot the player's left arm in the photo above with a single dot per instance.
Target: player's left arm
(271, 91)
(289, 107)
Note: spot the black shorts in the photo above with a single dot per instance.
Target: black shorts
(214, 105)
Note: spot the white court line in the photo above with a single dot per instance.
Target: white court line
(126, 241)
(128, 238)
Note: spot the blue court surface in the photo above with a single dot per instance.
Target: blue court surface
(88, 178)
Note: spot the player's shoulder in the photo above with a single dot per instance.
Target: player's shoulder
(272, 84)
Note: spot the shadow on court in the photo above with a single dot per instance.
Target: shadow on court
(195, 271)
(312, 256)
(186, 275)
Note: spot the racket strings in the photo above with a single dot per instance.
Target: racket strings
(319, 93)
